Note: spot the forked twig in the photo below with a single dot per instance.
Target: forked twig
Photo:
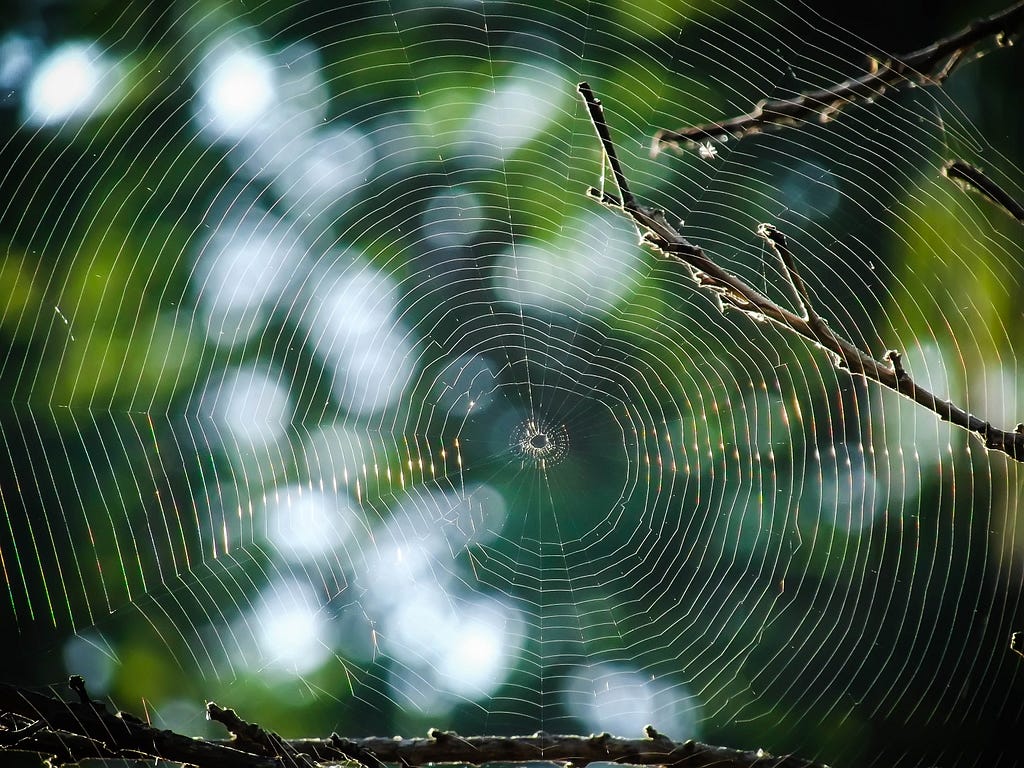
(733, 292)
(780, 245)
(928, 66)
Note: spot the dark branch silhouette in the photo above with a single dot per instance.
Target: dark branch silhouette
(73, 730)
(928, 66)
(88, 726)
(735, 293)
(974, 178)
(250, 737)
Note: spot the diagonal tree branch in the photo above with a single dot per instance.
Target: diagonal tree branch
(928, 66)
(974, 178)
(734, 292)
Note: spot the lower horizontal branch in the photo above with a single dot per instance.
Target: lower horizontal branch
(122, 733)
(656, 749)
(75, 730)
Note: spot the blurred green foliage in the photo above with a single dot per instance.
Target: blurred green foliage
(716, 567)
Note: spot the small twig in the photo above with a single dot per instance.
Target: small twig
(354, 751)
(13, 736)
(121, 734)
(780, 245)
(59, 747)
(734, 292)
(251, 737)
(77, 684)
(974, 178)
(651, 222)
(928, 66)
(73, 731)
(597, 118)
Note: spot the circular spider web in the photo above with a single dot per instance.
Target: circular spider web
(329, 389)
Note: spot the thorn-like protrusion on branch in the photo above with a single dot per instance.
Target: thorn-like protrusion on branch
(257, 738)
(896, 360)
(77, 684)
(440, 736)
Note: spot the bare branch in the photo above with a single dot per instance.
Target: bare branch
(121, 734)
(928, 66)
(974, 178)
(733, 292)
(75, 730)
(656, 749)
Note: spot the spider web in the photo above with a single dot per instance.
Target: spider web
(328, 389)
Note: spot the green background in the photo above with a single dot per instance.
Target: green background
(716, 566)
